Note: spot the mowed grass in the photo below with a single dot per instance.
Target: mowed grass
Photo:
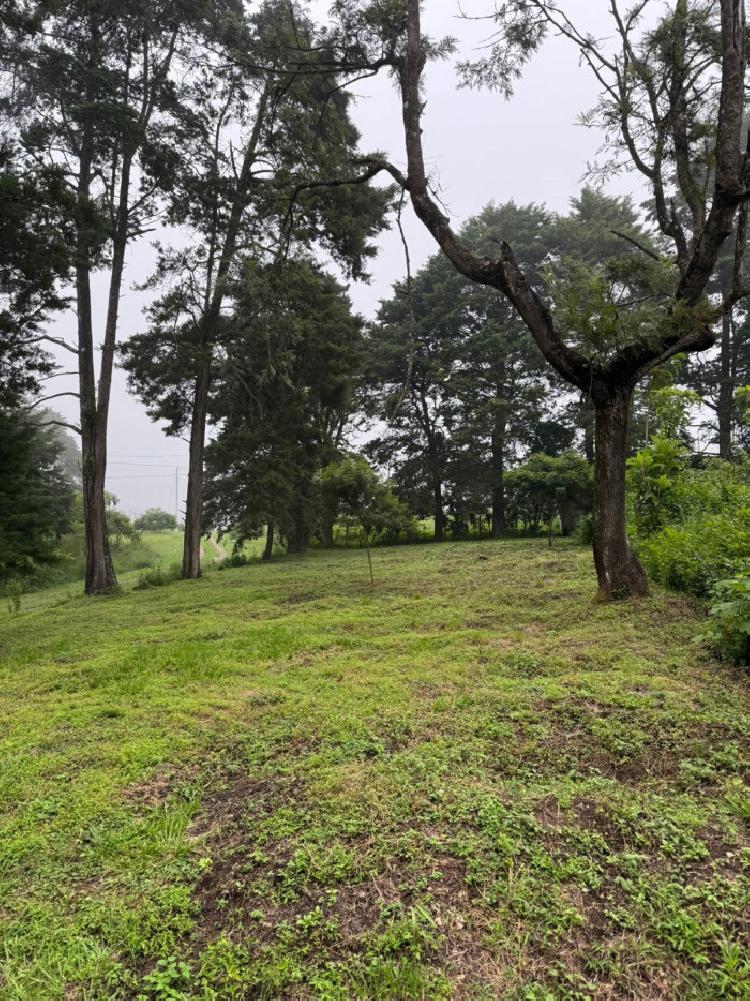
(471, 782)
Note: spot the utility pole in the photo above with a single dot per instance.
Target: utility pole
(176, 494)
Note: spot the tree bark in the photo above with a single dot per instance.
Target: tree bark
(437, 493)
(296, 543)
(191, 551)
(617, 569)
(498, 508)
(99, 577)
(268, 550)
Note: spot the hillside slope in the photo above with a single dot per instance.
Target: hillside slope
(471, 782)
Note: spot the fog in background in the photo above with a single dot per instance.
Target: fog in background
(478, 147)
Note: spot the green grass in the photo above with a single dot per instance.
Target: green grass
(152, 549)
(471, 782)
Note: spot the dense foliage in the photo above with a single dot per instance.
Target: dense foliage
(697, 527)
(36, 494)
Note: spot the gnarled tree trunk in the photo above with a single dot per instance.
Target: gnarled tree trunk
(617, 569)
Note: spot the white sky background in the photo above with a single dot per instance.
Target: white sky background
(478, 147)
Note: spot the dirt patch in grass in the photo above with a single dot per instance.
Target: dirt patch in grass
(300, 598)
(155, 791)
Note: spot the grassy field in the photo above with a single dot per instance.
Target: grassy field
(153, 549)
(471, 782)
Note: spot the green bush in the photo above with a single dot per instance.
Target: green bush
(701, 535)
(155, 577)
(694, 556)
(654, 478)
(584, 533)
(729, 619)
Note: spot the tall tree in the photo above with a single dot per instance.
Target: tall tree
(410, 355)
(272, 122)
(283, 397)
(454, 379)
(36, 493)
(35, 236)
(94, 90)
(653, 85)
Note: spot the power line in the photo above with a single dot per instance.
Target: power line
(144, 476)
(137, 465)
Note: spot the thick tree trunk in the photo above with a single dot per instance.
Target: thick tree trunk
(437, 493)
(498, 509)
(726, 389)
(296, 543)
(268, 550)
(99, 577)
(191, 552)
(617, 569)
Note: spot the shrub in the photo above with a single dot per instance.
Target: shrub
(230, 562)
(156, 577)
(701, 534)
(694, 556)
(729, 619)
(584, 533)
(654, 480)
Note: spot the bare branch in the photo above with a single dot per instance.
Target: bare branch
(638, 245)
(58, 341)
(60, 424)
(46, 399)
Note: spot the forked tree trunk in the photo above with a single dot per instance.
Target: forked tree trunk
(99, 574)
(268, 550)
(191, 552)
(617, 569)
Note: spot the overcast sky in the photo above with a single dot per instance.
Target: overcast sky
(479, 148)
